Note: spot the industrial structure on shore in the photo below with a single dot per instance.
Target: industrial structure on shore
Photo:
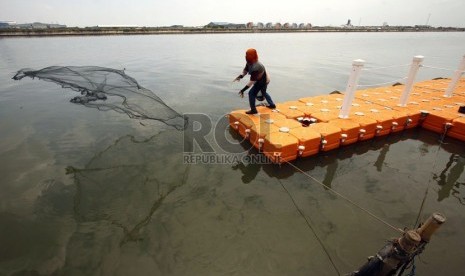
(9, 27)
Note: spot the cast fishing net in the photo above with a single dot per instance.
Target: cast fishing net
(109, 89)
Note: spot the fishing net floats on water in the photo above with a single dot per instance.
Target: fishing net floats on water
(109, 89)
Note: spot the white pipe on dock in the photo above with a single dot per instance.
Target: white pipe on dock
(455, 79)
(357, 66)
(416, 62)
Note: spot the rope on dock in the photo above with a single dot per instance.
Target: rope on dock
(439, 68)
(383, 83)
(345, 198)
(387, 82)
(385, 67)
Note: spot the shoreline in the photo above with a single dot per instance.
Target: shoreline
(161, 31)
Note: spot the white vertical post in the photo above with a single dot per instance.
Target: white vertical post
(416, 62)
(453, 83)
(357, 66)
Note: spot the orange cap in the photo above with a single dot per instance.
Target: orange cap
(251, 55)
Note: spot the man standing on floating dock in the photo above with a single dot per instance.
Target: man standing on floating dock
(258, 78)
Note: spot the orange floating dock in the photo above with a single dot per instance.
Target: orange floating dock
(285, 134)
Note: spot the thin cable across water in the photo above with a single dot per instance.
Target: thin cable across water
(347, 199)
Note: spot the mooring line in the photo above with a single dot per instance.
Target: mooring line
(311, 228)
(420, 211)
(347, 199)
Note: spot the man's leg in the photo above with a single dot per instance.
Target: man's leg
(268, 98)
(252, 95)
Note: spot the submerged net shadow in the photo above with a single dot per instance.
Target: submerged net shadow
(126, 183)
(108, 89)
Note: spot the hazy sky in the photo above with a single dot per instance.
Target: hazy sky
(198, 13)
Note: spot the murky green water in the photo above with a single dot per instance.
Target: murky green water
(85, 192)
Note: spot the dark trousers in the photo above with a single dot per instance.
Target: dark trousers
(253, 95)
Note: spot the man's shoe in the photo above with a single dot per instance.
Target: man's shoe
(271, 106)
(251, 112)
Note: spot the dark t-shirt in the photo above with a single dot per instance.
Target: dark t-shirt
(257, 72)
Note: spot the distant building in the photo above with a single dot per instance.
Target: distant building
(224, 25)
(348, 24)
(7, 24)
(259, 25)
(38, 25)
(217, 24)
(51, 26)
(117, 26)
(422, 26)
